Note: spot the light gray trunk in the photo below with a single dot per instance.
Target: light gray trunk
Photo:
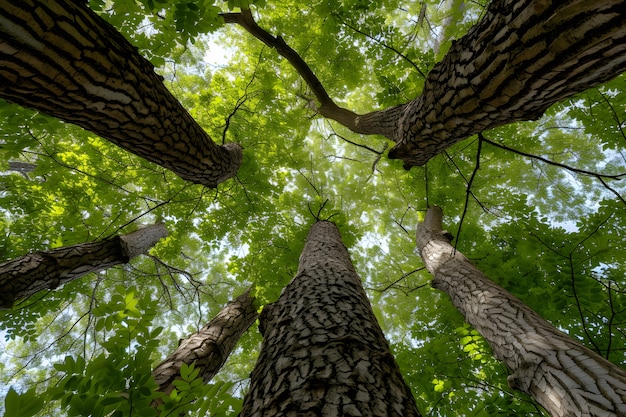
(323, 352)
(565, 377)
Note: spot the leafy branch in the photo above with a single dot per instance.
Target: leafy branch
(368, 124)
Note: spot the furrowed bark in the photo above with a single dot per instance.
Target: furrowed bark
(520, 59)
(24, 276)
(324, 353)
(209, 348)
(59, 57)
(565, 377)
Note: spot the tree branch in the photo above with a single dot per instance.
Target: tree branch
(369, 124)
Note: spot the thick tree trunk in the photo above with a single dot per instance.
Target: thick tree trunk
(523, 56)
(209, 348)
(61, 58)
(323, 352)
(562, 375)
(24, 276)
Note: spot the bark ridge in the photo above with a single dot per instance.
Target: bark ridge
(61, 58)
(324, 353)
(566, 378)
(25, 275)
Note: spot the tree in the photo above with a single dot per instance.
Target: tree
(62, 59)
(519, 60)
(539, 206)
(323, 351)
(209, 348)
(24, 276)
(564, 376)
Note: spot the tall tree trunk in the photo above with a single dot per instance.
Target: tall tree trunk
(209, 348)
(61, 58)
(522, 57)
(324, 353)
(561, 374)
(24, 276)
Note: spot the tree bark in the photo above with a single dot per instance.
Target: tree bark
(24, 276)
(59, 57)
(520, 59)
(209, 348)
(565, 377)
(324, 353)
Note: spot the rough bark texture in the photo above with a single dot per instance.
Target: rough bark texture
(562, 375)
(209, 348)
(24, 276)
(61, 58)
(324, 353)
(523, 56)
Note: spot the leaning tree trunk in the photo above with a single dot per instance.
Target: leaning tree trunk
(59, 57)
(323, 352)
(209, 348)
(521, 58)
(565, 377)
(24, 276)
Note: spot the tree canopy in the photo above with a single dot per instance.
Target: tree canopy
(538, 206)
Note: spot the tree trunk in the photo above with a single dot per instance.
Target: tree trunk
(522, 57)
(59, 57)
(561, 374)
(209, 348)
(24, 276)
(323, 352)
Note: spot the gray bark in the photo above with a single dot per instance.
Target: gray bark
(522, 57)
(24, 276)
(323, 352)
(209, 348)
(565, 377)
(59, 57)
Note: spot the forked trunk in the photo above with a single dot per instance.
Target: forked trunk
(522, 57)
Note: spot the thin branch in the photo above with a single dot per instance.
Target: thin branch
(579, 306)
(468, 190)
(369, 124)
(557, 164)
(383, 44)
(614, 113)
(400, 279)
(451, 160)
(358, 144)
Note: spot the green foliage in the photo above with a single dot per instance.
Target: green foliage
(192, 394)
(549, 235)
(22, 405)
(117, 381)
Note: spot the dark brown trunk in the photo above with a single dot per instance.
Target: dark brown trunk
(59, 57)
(323, 352)
(565, 377)
(24, 276)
